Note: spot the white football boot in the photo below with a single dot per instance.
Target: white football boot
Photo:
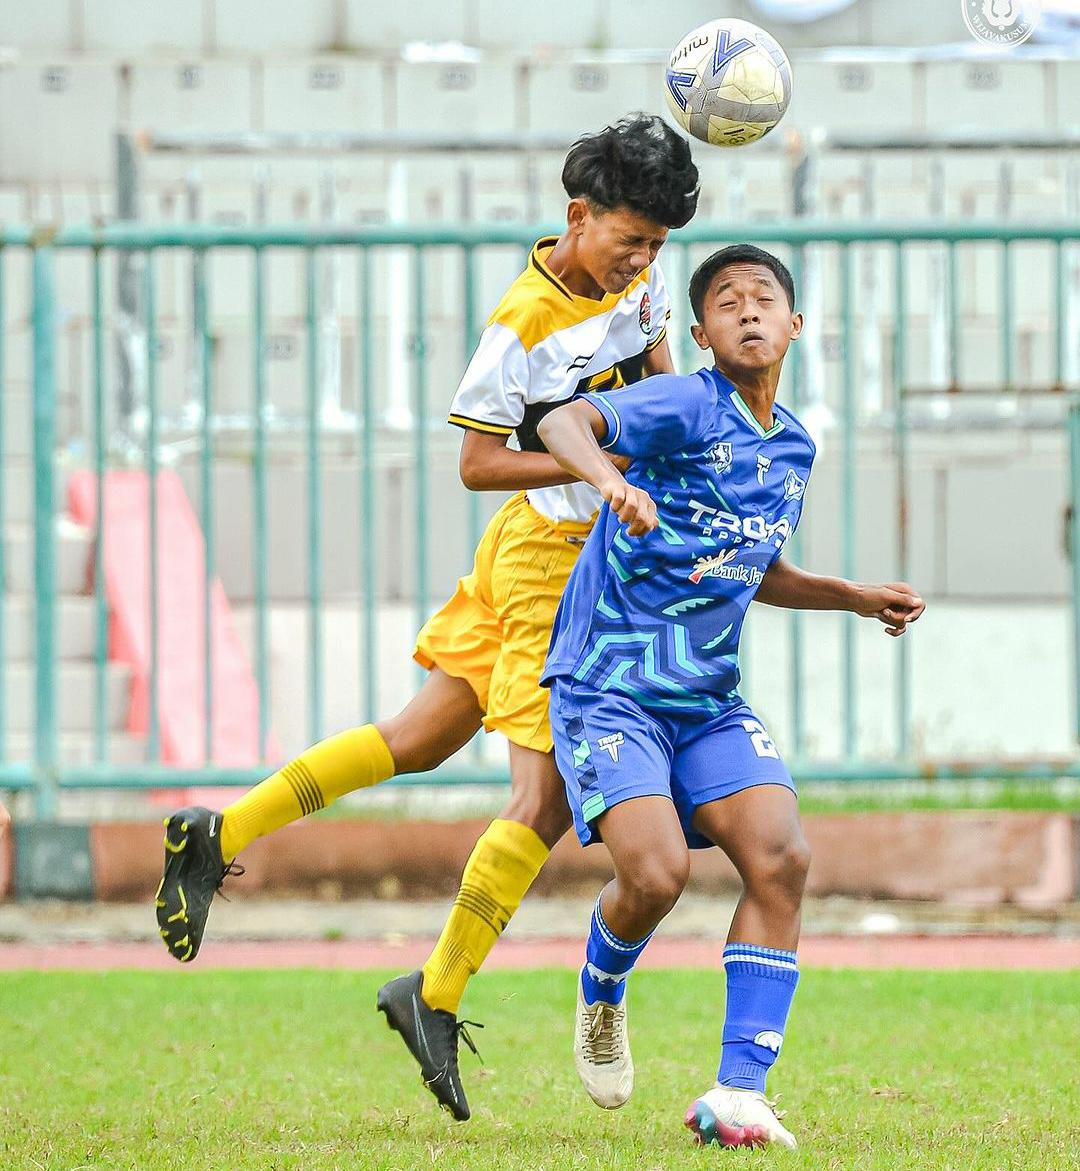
(737, 1118)
(602, 1052)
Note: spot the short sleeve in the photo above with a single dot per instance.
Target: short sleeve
(491, 395)
(660, 305)
(657, 415)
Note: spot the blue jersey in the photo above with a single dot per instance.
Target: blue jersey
(658, 618)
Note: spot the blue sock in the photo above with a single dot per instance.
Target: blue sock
(760, 986)
(608, 961)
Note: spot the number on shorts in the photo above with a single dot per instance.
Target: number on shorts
(763, 746)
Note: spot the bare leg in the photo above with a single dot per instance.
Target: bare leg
(759, 831)
(442, 717)
(537, 794)
(652, 863)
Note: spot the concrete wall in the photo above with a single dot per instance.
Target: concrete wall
(986, 517)
(988, 680)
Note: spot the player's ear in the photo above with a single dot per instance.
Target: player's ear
(577, 212)
(697, 332)
(796, 326)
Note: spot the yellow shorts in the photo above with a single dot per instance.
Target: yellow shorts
(494, 632)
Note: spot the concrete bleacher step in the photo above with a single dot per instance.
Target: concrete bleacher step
(78, 748)
(75, 630)
(74, 546)
(75, 700)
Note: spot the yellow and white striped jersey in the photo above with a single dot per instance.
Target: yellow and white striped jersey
(544, 344)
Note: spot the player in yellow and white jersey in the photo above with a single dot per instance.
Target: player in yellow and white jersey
(589, 312)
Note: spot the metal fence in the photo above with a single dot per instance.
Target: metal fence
(831, 250)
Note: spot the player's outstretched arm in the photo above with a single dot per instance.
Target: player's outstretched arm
(895, 604)
(486, 464)
(570, 433)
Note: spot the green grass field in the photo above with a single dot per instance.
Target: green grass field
(216, 1070)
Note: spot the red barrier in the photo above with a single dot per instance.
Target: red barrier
(181, 551)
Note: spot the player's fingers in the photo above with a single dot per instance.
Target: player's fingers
(616, 497)
(644, 520)
(906, 595)
(638, 513)
(628, 509)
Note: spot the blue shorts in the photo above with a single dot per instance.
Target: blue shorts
(610, 749)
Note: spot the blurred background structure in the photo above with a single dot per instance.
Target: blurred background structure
(281, 391)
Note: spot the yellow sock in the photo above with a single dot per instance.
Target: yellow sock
(499, 871)
(355, 759)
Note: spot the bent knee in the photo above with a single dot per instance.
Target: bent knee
(655, 884)
(414, 750)
(546, 813)
(786, 866)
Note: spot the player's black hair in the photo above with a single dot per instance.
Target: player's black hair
(737, 254)
(641, 163)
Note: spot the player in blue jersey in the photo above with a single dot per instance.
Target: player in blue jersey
(658, 750)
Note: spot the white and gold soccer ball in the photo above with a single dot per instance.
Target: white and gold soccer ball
(728, 82)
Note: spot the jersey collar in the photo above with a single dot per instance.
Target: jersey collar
(538, 260)
(739, 403)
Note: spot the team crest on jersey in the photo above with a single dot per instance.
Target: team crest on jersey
(719, 457)
(793, 486)
(645, 314)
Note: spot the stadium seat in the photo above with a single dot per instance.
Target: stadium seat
(576, 24)
(969, 89)
(566, 98)
(389, 26)
(191, 97)
(323, 94)
(664, 27)
(1067, 93)
(44, 26)
(852, 95)
(57, 119)
(242, 26)
(131, 26)
(976, 566)
(471, 98)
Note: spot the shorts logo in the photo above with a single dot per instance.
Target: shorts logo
(793, 486)
(763, 465)
(644, 316)
(719, 457)
(610, 744)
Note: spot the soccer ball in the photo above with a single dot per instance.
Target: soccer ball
(728, 82)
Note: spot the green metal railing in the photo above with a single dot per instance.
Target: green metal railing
(46, 775)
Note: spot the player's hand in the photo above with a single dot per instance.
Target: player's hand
(633, 506)
(895, 604)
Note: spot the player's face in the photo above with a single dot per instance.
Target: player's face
(747, 321)
(614, 246)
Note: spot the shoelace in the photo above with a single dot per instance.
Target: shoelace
(604, 1042)
(461, 1031)
(232, 870)
(774, 1106)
